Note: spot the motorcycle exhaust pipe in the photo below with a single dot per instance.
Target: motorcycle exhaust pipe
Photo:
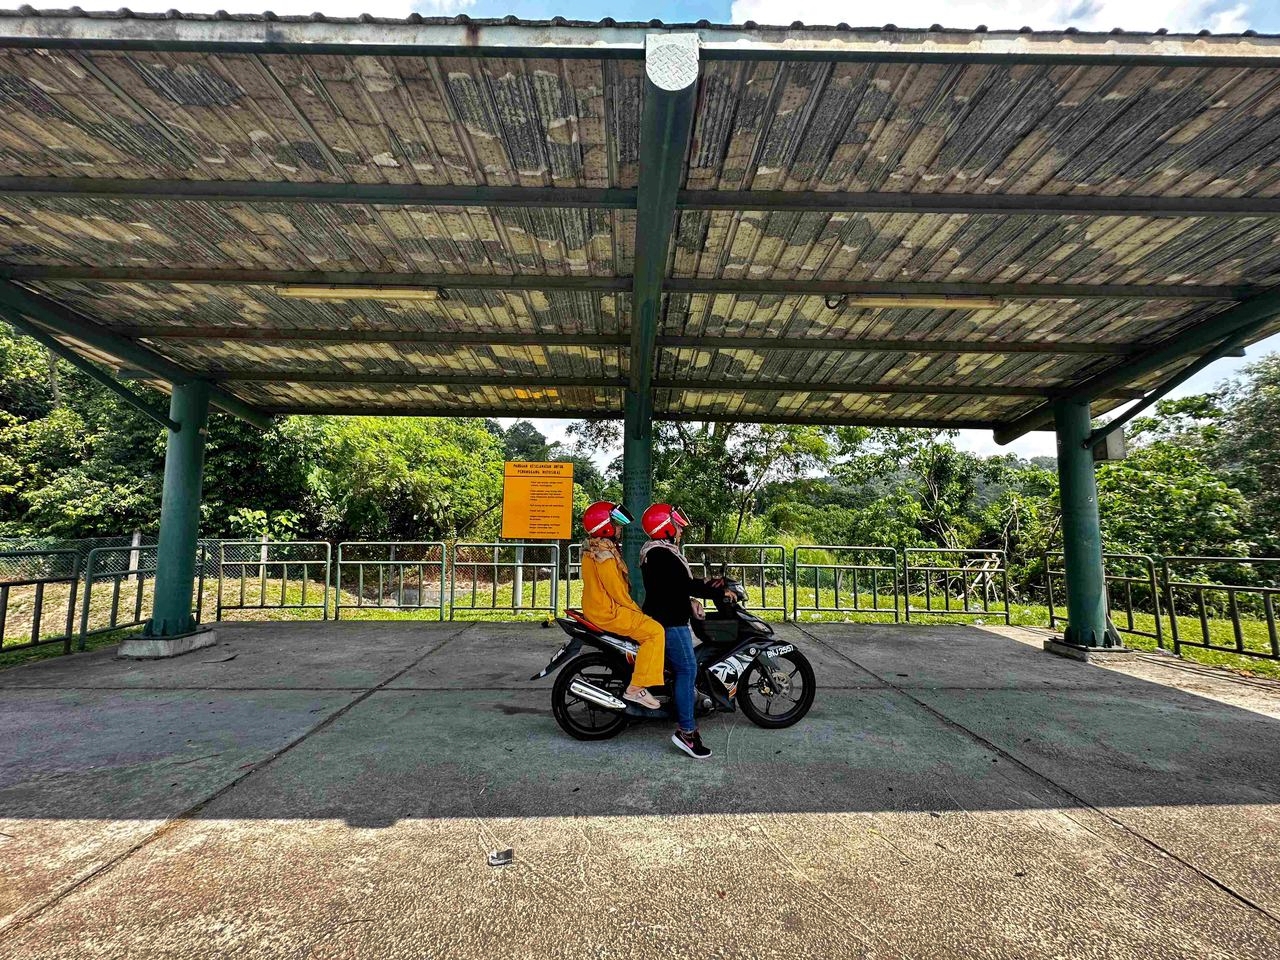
(601, 698)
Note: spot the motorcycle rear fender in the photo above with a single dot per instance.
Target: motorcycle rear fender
(561, 656)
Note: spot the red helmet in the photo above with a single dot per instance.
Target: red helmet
(662, 521)
(602, 518)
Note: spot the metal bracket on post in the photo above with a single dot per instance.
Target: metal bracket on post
(1235, 326)
(1227, 348)
(671, 83)
(57, 319)
(91, 370)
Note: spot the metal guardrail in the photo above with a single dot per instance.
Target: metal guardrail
(131, 572)
(1117, 584)
(496, 577)
(832, 568)
(974, 571)
(1212, 600)
(390, 575)
(573, 573)
(28, 575)
(757, 566)
(264, 564)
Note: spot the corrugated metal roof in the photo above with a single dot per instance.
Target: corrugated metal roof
(94, 104)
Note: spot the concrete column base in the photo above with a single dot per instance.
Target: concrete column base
(1088, 654)
(156, 648)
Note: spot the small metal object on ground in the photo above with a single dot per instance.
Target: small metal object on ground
(501, 858)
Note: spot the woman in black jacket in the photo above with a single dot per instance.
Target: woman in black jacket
(668, 586)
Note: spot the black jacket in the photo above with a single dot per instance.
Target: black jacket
(668, 587)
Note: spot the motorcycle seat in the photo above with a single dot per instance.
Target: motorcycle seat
(582, 619)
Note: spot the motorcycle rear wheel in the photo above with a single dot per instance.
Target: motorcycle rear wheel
(784, 691)
(579, 718)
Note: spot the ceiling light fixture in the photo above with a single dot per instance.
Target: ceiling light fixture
(888, 301)
(334, 292)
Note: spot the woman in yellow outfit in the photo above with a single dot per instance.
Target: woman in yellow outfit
(606, 599)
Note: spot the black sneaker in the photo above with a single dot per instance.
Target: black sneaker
(691, 743)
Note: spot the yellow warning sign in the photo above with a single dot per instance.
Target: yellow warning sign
(537, 501)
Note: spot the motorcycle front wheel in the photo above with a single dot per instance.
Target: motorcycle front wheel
(780, 698)
(582, 719)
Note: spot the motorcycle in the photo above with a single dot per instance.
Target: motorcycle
(740, 664)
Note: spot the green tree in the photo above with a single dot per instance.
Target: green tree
(523, 441)
(407, 478)
(1245, 439)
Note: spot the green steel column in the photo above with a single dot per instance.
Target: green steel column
(637, 479)
(180, 512)
(666, 125)
(1081, 530)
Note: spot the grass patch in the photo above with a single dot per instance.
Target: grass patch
(14, 658)
(484, 604)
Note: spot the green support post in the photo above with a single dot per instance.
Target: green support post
(666, 125)
(180, 513)
(637, 479)
(1081, 529)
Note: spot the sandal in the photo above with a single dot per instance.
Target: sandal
(642, 699)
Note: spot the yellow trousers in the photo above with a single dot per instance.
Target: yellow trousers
(606, 602)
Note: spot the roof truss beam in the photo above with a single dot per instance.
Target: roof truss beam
(563, 39)
(969, 204)
(59, 320)
(284, 191)
(1238, 324)
(867, 388)
(688, 285)
(88, 368)
(551, 339)
(516, 381)
(758, 201)
(443, 338)
(358, 378)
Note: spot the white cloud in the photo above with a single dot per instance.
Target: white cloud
(1220, 16)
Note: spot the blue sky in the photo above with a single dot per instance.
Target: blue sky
(1261, 15)
(1217, 15)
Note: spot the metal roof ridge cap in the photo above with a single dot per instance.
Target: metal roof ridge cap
(416, 19)
(31, 28)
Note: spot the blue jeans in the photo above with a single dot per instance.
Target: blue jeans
(685, 667)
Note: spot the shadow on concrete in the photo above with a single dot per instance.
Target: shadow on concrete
(374, 723)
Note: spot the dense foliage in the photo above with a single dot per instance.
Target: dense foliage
(1203, 475)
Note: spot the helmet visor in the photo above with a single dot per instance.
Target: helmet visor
(678, 517)
(621, 515)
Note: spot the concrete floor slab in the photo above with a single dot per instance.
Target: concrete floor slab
(957, 811)
(289, 655)
(85, 775)
(1194, 774)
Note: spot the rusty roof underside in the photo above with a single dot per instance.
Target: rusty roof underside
(166, 179)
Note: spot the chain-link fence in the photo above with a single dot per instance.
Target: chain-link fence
(38, 593)
(273, 575)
